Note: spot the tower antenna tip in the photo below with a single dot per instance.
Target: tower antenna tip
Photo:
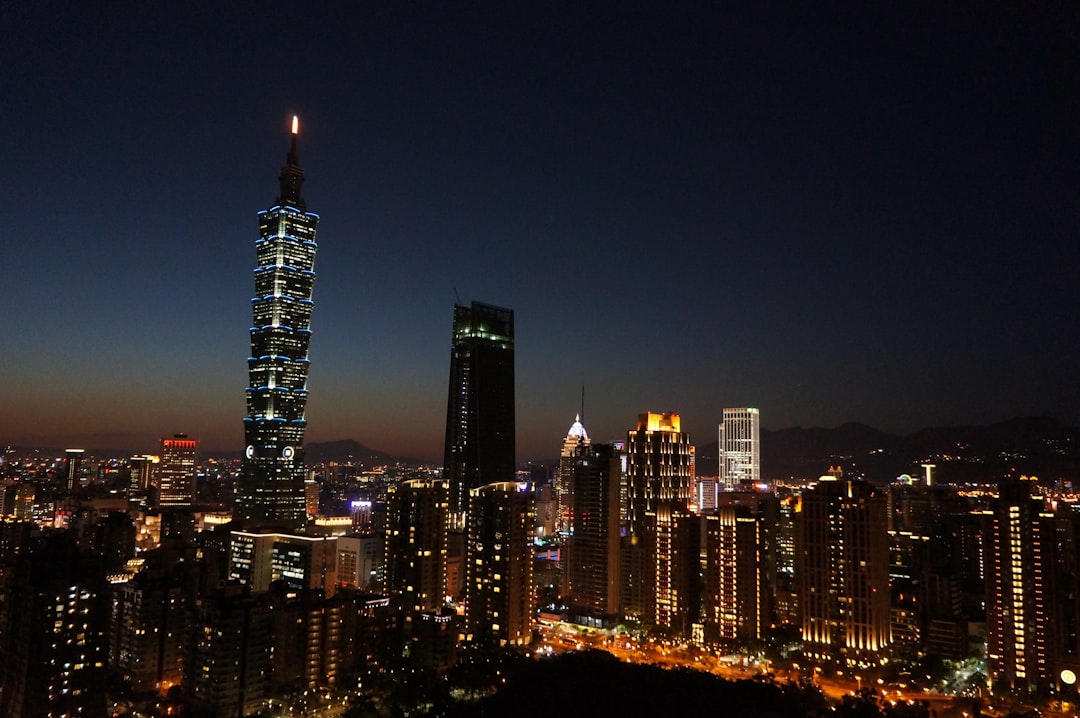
(295, 124)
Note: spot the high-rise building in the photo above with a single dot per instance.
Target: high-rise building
(739, 567)
(147, 630)
(270, 491)
(499, 592)
(229, 660)
(480, 410)
(74, 459)
(1019, 543)
(142, 467)
(360, 560)
(657, 473)
(592, 548)
(302, 562)
(657, 466)
(672, 540)
(176, 472)
(576, 439)
(53, 623)
(740, 447)
(842, 571)
(416, 545)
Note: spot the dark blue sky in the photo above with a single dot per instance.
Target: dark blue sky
(853, 212)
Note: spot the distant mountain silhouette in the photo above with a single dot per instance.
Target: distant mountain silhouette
(349, 450)
(1035, 446)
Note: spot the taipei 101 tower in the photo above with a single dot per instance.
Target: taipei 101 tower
(270, 492)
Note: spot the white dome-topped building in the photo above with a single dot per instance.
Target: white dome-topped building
(576, 439)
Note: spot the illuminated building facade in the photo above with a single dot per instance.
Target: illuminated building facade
(74, 460)
(302, 562)
(576, 439)
(740, 447)
(499, 593)
(480, 409)
(657, 472)
(360, 560)
(672, 551)
(658, 455)
(270, 491)
(842, 571)
(739, 543)
(416, 545)
(592, 548)
(1019, 547)
(142, 467)
(176, 471)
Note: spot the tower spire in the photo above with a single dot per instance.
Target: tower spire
(292, 174)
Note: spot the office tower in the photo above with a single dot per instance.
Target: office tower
(657, 472)
(1018, 540)
(270, 491)
(740, 569)
(592, 548)
(176, 472)
(657, 466)
(842, 571)
(740, 447)
(575, 439)
(301, 562)
(480, 410)
(142, 468)
(416, 545)
(74, 458)
(499, 592)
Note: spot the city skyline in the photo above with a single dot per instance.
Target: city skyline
(865, 215)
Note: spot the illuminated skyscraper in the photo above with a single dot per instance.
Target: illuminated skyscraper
(1019, 543)
(658, 468)
(740, 447)
(480, 409)
(271, 487)
(576, 440)
(842, 571)
(176, 472)
(659, 488)
(739, 571)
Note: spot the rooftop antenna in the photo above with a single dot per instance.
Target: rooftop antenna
(457, 297)
(582, 402)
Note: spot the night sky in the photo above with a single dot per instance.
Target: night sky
(855, 212)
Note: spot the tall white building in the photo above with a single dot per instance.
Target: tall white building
(740, 447)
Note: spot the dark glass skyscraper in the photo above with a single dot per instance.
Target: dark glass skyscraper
(480, 410)
(271, 488)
